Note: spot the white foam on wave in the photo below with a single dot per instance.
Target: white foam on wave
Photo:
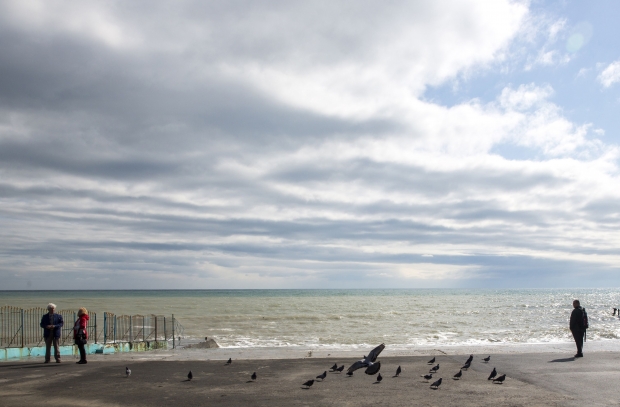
(234, 343)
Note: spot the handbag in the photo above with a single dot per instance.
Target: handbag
(80, 338)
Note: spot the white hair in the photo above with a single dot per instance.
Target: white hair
(51, 306)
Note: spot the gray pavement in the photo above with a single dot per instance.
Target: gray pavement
(534, 379)
(593, 380)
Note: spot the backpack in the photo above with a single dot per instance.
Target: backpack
(585, 319)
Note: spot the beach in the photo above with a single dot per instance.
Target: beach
(547, 375)
(290, 336)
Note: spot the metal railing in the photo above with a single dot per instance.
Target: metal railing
(140, 328)
(21, 327)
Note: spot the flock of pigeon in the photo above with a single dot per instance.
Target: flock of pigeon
(373, 367)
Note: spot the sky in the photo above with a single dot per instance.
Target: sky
(295, 144)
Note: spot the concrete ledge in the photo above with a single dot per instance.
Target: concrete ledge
(109, 348)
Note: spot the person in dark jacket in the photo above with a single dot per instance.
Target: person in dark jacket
(80, 334)
(577, 327)
(52, 324)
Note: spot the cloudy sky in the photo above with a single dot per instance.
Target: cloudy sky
(285, 144)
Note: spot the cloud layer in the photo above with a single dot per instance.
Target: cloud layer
(247, 144)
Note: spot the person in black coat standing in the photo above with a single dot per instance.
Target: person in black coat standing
(577, 327)
(52, 324)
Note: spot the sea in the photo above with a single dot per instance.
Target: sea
(348, 318)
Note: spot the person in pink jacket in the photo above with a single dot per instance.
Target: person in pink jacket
(80, 334)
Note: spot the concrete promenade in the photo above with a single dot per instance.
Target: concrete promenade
(8, 354)
(538, 378)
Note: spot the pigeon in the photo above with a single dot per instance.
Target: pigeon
(486, 360)
(379, 378)
(253, 377)
(373, 369)
(500, 379)
(493, 374)
(458, 375)
(367, 361)
(466, 366)
(427, 377)
(333, 368)
(398, 370)
(436, 384)
(614, 312)
(469, 359)
(309, 383)
(340, 369)
(349, 374)
(322, 376)
(190, 376)
(229, 361)
(128, 371)
(430, 362)
(434, 369)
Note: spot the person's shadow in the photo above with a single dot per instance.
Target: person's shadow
(562, 360)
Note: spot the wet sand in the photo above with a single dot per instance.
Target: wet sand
(159, 379)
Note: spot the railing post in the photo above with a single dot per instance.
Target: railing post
(155, 328)
(165, 333)
(95, 327)
(22, 327)
(114, 328)
(105, 327)
(130, 328)
(143, 329)
(173, 342)
(74, 319)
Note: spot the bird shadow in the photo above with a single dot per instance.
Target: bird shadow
(377, 383)
(250, 381)
(498, 382)
(454, 378)
(434, 388)
(395, 376)
(305, 388)
(186, 380)
(562, 360)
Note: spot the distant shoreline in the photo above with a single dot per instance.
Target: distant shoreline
(314, 289)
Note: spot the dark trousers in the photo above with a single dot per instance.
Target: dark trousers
(80, 346)
(48, 345)
(578, 335)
